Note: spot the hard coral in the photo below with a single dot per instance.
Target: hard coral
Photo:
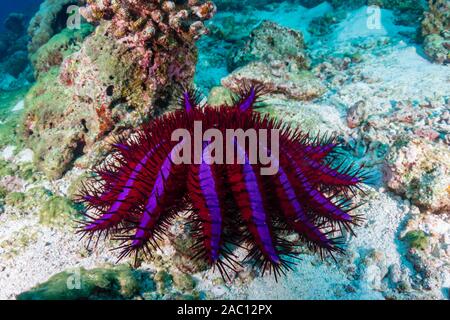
(436, 31)
(90, 87)
(160, 31)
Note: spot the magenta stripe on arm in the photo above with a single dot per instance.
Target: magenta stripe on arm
(116, 206)
(187, 101)
(208, 189)
(259, 216)
(327, 206)
(152, 210)
(337, 177)
(248, 102)
(301, 219)
(300, 216)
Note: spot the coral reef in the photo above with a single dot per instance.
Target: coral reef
(49, 20)
(59, 47)
(112, 81)
(436, 31)
(377, 90)
(275, 57)
(143, 186)
(270, 43)
(162, 34)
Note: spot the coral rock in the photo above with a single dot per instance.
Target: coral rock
(421, 172)
(293, 83)
(58, 48)
(436, 31)
(48, 21)
(125, 72)
(268, 42)
(120, 282)
(162, 34)
(274, 56)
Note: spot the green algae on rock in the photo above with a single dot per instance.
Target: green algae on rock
(3, 193)
(183, 281)
(37, 196)
(5, 169)
(220, 95)
(44, 106)
(57, 210)
(119, 282)
(76, 185)
(59, 47)
(50, 19)
(16, 199)
(416, 239)
(10, 116)
(163, 281)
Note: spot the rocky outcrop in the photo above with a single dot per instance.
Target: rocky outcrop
(420, 171)
(436, 31)
(91, 90)
(277, 78)
(274, 56)
(48, 21)
(268, 43)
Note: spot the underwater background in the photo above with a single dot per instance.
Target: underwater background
(374, 72)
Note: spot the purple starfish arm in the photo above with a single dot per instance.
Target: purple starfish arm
(324, 204)
(258, 212)
(187, 100)
(248, 102)
(208, 189)
(152, 210)
(111, 217)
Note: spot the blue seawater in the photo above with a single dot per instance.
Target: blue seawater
(28, 7)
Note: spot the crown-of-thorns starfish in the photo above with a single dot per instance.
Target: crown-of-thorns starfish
(139, 189)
